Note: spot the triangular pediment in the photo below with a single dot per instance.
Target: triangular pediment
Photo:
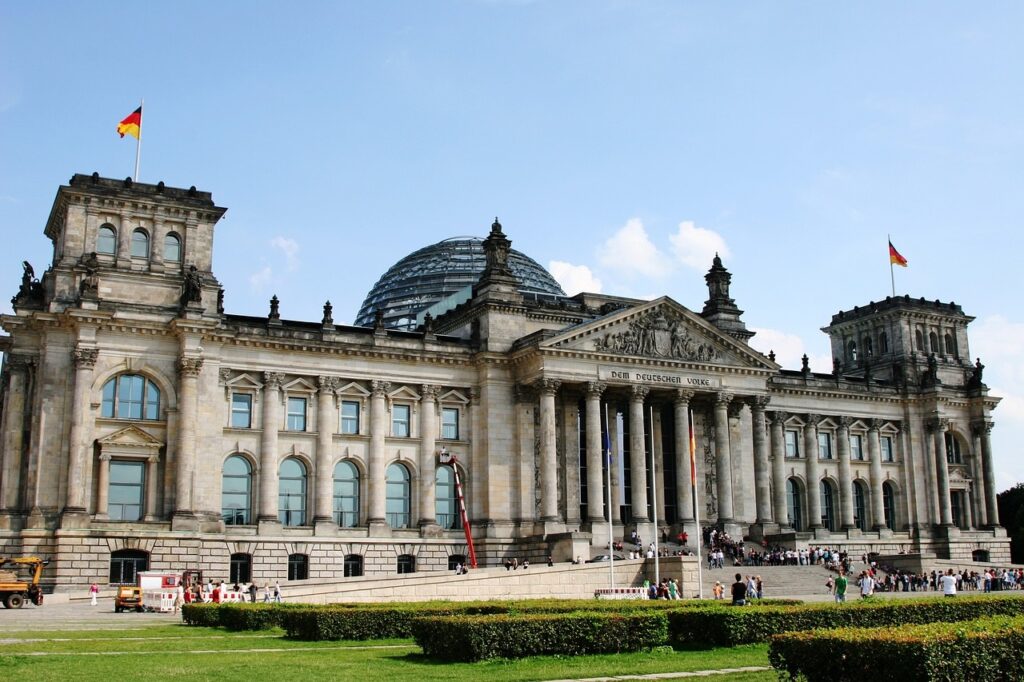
(130, 437)
(660, 329)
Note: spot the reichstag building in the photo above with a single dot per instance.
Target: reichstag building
(143, 427)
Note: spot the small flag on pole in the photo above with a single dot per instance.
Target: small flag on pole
(693, 455)
(132, 125)
(895, 258)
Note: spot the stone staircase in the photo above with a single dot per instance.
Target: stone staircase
(779, 581)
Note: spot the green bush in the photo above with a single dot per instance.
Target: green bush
(392, 621)
(475, 638)
(730, 626)
(203, 615)
(982, 649)
(254, 616)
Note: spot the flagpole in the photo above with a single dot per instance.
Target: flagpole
(608, 471)
(892, 276)
(696, 511)
(654, 505)
(138, 144)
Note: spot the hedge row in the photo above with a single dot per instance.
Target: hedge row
(475, 638)
(982, 649)
(730, 626)
(238, 616)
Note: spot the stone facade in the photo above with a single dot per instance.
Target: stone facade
(143, 425)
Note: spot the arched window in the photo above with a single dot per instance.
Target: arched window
(125, 565)
(236, 491)
(851, 351)
(397, 496)
(106, 240)
(291, 494)
(889, 505)
(406, 563)
(828, 515)
(346, 495)
(241, 568)
(130, 396)
(883, 343)
(918, 339)
(140, 243)
(172, 248)
(950, 345)
(793, 506)
(860, 519)
(298, 567)
(454, 560)
(353, 565)
(953, 453)
(933, 342)
(447, 505)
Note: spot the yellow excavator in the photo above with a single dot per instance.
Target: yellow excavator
(19, 580)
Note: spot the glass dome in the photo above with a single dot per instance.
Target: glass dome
(435, 272)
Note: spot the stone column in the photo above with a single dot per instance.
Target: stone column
(548, 451)
(875, 454)
(595, 472)
(103, 486)
(271, 423)
(762, 495)
(638, 455)
(613, 437)
(428, 444)
(779, 468)
(78, 450)
(326, 422)
(376, 482)
(845, 477)
(938, 428)
(813, 478)
(978, 474)
(684, 484)
(124, 240)
(12, 444)
(991, 501)
(184, 476)
(723, 457)
(968, 515)
(151, 488)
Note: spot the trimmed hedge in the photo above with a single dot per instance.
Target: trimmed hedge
(982, 649)
(733, 625)
(475, 638)
(203, 615)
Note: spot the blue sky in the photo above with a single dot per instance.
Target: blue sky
(620, 143)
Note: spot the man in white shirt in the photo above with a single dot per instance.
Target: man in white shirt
(948, 583)
(867, 585)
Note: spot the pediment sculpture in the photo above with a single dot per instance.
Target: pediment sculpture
(658, 334)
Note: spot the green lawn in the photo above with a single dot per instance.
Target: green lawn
(175, 651)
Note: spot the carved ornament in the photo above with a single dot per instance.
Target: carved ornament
(658, 334)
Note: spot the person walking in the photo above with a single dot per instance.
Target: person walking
(867, 585)
(94, 591)
(948, 582)
(840, 588)
(277, 592)
(739, 591)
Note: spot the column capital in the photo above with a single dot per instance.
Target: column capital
(758, 403)
(779, 417)
(684, 396)
(939, 424)
(723, 398)
(982, 427)
(153, 459)
(224, 374)
(190, 367)
(273, 380)
(845, 422)
(104, 456)
(380, 389)
(639, 392)
(85, 358)
(595, 388)
(875, 424)
(547, 386)
(428, 392)
(812, 419)
(327, 384)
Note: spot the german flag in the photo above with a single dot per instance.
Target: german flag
(132, 125)
(895, 258)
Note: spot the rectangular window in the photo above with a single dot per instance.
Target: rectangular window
(125, 494)
(296, 414)
(824, 446)
(241, 411)
(856, 448)
(400, 421)
(450, 423)
(792, 444)
(349, 417)
(887, 452)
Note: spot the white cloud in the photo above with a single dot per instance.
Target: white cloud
(789, 350)
(290, 248)
(695, 247)
(259, 279)
(574, 278)
(631, 250)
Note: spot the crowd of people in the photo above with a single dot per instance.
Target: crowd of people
(988, 580)
(211, 593)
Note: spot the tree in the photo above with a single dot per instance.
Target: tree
(1011, 514)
